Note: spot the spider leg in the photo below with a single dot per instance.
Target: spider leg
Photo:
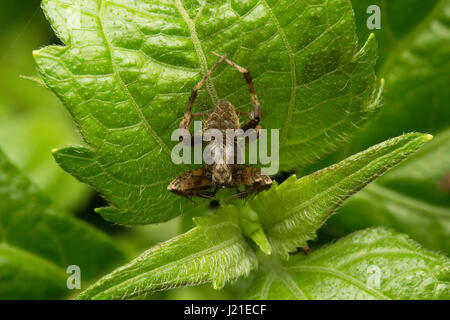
(196, 139)
(193, 183)
(187, 119)
(256, 114)
(247, 140)
(200, 114)
(253, 138)
(252, 179)
(305, 250)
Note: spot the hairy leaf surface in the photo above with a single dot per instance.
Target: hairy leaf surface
(412, 198)
(370, 264)
(38, 242)
(127, 68)
(292, 212)
(214, 251)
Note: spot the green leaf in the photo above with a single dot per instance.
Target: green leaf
(38, 242)
(26, 276)
(370, 264)
(414, 45)
(412, 198)
(214, 251)
(292, 212)
(398, 19)
(127, 69)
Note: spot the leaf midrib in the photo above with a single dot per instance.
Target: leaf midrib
(168, 267)
(173, 264)
(198, 50)
(342, 276)
(138, 110)
(279, 273)
(307, 202)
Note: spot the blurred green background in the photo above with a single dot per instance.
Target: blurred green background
(32, 121)
(414, 59)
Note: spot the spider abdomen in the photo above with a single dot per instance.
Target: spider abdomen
(222, 175)
(223, 117)
(220, 164)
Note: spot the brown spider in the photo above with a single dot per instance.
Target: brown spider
(204, 182)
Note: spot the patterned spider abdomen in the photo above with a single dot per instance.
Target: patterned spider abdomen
(222, 118)
(221, 169)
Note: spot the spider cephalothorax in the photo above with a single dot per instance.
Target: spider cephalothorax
(204, 182)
